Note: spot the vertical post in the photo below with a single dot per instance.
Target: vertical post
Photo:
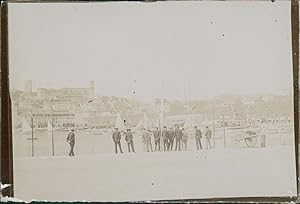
(52, 136)
(295, 47)
(32, 143)
(213, 124)
(6, 144)
(185, 100)
(247, 116)
(224, 131)
(161, 123)
(161, 115)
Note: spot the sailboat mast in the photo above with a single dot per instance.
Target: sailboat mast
(213, 124)
(185, 100)
(161, 112)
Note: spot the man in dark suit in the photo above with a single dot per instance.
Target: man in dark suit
(71, 141)
(129, 140)
(117, 140)
(178, 135)
(198, 136)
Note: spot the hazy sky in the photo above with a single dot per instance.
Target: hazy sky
(212, 47)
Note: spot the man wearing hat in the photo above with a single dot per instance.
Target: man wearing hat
(198, 136)
(149, 143)
(129, 140)
(171, 135)
(208, 137)
(165, 135)
(178, 137)
(156, 134)
(71, 141)
(117, 140)
(146, 136)
(184, 138)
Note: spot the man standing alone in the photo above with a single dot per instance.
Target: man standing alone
(198, 136)
(208, 137)
(129, 140)
(117, 140)
(184, 138)
(71, 141)
(149, 143)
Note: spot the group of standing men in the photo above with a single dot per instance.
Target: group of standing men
(117, 140)
(163, 140)
(180, 135)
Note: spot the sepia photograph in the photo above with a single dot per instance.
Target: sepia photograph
(140, 101)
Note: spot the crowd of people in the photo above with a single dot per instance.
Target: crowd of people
(169, 139)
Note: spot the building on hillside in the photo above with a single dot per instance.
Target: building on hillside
(57, 119)
(71, 93)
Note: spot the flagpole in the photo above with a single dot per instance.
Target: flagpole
(185, 100)
(32, 143)
(161, 117)
(52, 136)
(213, 124)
